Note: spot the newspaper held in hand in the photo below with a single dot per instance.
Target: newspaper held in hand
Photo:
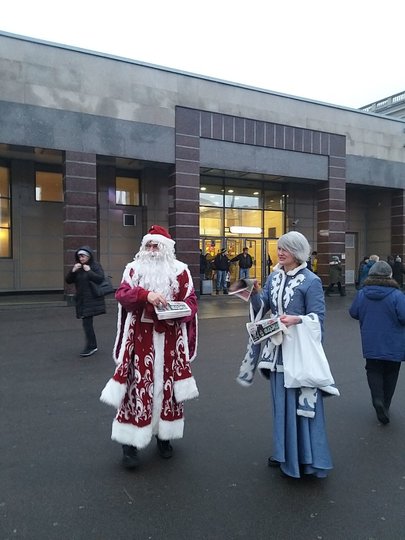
(242, 288)
(173, 310)
(261, 330)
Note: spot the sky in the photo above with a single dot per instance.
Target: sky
(348, 53)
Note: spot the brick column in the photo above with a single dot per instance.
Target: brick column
(184, 190)
(332, 207)
(80, 222)
(398, 223)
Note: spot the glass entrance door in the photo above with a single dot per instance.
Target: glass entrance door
(235, 247)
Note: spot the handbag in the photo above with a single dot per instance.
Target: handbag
(104, 288)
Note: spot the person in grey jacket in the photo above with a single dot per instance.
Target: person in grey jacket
(86, 274)
(380, 308)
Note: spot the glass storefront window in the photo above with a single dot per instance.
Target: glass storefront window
(241, 212)
(237, 197)
(211, 221)
(5, 213)
(4, 182)
(240, 222)
(211, 195)
(48, 186)
(274, 200)
(127, 191)
(273, 224)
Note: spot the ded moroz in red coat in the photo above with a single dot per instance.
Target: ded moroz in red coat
(153, 374)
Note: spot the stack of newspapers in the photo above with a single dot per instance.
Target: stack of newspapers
(261, 330)
(173, 310)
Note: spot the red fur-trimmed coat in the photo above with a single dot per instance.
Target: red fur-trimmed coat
(153, 374)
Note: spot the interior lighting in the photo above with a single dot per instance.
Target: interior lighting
(203, 189)
(230, 190)
(245, 230)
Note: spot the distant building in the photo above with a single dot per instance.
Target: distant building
(391, 106)
(94, 149)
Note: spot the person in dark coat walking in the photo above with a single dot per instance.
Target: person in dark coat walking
(86, 274)
(335, 276)
(398, 271)
(380, 308)
(221, 264)
(245, 263)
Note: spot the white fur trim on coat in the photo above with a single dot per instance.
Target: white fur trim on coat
(185, 389)
(158, 238)
(113, 393)
(141, 437)
(170, 430)
(130, 434)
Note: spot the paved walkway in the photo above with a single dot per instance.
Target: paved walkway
(61, 477)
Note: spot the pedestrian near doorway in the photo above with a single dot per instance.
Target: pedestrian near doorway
(365, 268)
(203, 269)
(153, 375)
(245, 263)
(398, 271)
(86, 271)
(314, 262)
(221, 264)
(380, 308)
(335, 276)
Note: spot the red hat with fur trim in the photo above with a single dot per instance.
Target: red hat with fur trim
(158, 234)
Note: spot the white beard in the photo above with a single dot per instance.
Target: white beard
(156, 271)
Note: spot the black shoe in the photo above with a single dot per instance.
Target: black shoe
(217, 292)
(130, 458)
(382, 413)
(88, 352)
(271, 462)
(225, 291)
(165, 449)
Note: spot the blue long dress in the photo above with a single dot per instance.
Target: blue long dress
(299, 443)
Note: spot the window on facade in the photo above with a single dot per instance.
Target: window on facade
(274, 200)
(273, 224)
(48, 186)
(211, 221)
(5, 213)
(211, 195)
(238, 197)
(127, 191)
(239, 222)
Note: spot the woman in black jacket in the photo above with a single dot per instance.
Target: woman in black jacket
(87, 274)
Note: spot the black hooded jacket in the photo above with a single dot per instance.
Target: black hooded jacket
(87, 304)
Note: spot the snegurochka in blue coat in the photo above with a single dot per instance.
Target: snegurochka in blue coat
(295, 364)
(380, 308)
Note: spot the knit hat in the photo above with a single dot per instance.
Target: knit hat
(84, 252)
(158, 234)
(381, 269)
(335, 258)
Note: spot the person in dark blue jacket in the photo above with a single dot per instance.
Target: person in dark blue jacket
(380, 308)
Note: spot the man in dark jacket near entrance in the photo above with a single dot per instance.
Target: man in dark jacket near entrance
(221, 264)
(245, 263)
(85, 274)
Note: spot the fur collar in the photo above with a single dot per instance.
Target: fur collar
(381, 281)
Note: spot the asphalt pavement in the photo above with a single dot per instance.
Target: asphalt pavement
(61, 476)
